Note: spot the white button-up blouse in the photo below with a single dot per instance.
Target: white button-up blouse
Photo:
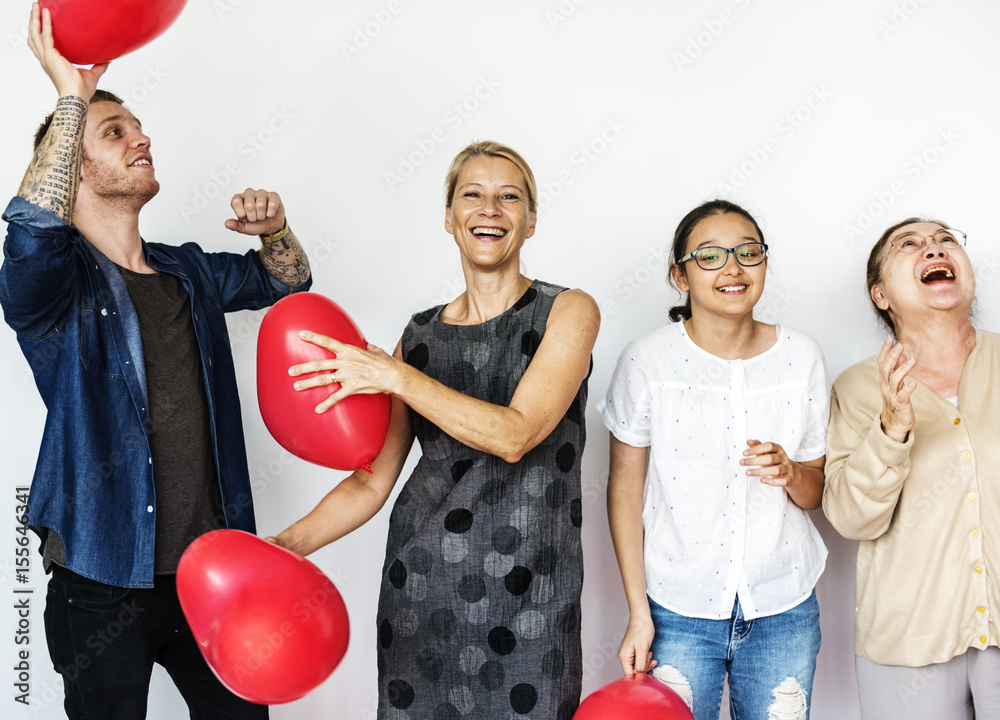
(710, 531)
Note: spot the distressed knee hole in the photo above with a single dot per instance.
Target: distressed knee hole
(672, 678)
(789, 701)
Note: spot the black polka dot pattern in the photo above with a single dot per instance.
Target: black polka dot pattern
(459, 521)
(479, 611)
(397, 575)
(502, 641)
(461, 467)
(418, 357)
(400, 694)
(517, 581)
(566, 457)
(385, 634)
(529, 343)
(523, 698)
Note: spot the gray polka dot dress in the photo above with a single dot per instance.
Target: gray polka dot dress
(479, 612)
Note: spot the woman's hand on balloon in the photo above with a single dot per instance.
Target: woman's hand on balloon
(67, 77)
(634, 654)
(897, 411)
(355, 371)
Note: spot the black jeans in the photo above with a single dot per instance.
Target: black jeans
(103, 640)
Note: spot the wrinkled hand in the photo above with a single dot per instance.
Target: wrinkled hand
(635, 646)
(67, 77)
(258, 212)
(351, 370)
(770, 463)
(897, 411)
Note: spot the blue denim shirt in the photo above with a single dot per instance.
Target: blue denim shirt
(75, 323)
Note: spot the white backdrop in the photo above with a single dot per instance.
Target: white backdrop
(828, 121)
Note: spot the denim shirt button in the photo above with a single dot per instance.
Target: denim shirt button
(149, 508)
(104, 312)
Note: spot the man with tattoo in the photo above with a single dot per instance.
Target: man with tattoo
(143, 448)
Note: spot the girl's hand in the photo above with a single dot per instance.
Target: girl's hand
(351, 370)
(897, 411)
(634, 654)
(769, 462)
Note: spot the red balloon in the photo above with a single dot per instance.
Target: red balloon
(634, 697)
(351, 433)
(270, 624)
(87, 32)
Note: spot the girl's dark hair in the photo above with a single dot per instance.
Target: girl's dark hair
(678, 249)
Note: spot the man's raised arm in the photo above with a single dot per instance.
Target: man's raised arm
(53, 177)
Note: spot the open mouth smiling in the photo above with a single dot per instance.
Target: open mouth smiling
(938, 273)
(489, 232)
(732, 288)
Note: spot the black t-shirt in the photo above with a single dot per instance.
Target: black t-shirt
(187, 492)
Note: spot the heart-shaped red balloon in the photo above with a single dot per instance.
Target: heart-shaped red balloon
(87, 32)
(270, 624)
(349, 435)
(631, 697)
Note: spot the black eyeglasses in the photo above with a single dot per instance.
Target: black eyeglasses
(714, 258)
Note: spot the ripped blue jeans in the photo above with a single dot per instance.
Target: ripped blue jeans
(770, 661)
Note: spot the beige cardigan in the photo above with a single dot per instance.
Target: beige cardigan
(927, 512)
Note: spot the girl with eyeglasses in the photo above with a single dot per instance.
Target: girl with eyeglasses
(914, 474)
(718, 427)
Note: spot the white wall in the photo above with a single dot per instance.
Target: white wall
(838, 115)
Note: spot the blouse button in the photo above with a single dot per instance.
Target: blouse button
(975, 533)
(980, 609)
(966, 454)
(982, 639)
(978, 571)
(972, 496)
(958, 421)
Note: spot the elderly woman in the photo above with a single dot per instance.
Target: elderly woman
(479, 612)
(913, 471)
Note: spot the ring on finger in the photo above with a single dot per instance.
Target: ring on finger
(333, 378)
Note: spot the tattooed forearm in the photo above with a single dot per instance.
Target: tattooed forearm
(53, 177)
(285, 260)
